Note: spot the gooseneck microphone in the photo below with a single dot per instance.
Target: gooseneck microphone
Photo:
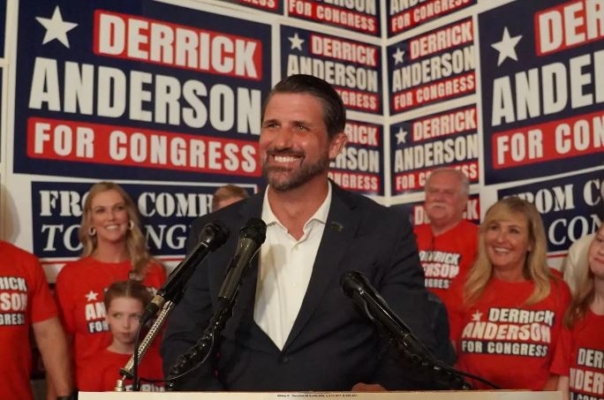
(212, 236)
(410, 352)
(356, 286)
(251, 237)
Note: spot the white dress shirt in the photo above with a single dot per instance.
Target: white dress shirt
(284, 271)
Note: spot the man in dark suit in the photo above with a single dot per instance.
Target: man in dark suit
(292, 328)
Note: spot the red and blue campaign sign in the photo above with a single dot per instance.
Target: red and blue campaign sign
(156, 92)
(359, 15)
(352, 67)
(445, 139)
(166, 213)
(542, 68)
(274, 6)
(433, 67)
(408, 14)
(570, 207)
(360, 165)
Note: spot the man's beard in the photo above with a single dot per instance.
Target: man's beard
(294, 177)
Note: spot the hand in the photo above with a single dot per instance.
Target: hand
(368, 387)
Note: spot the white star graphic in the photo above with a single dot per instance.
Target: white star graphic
(91, 296)
(476, 316)
(506, 47)
(296, 42)
(56, 28)
(398, 56)
(401, 136)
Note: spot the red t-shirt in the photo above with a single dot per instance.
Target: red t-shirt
(80, 288)
(446, 257)
(505, 341)
(25, 299)
(101, 372)
(580, 356)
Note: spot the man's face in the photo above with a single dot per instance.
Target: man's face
(445, 202)
(294, 144)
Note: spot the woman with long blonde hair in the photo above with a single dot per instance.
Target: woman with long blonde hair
(579, 360)
(114, 249)
(506, 317)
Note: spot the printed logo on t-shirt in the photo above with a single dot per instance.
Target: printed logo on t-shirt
(95, 313)
(509, 331)
(13, 300)
(587, 377)
(440, 268)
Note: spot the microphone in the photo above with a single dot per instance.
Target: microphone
(212, 236)
(356, 286)
(251, 237)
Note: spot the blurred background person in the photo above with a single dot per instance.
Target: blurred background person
(577, 253)
(449, 243)
(27, 303)
(506, 318)
(114, 250)
(125, 302)
(227, 195)
(579, 359)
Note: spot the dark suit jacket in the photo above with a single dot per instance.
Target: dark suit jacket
(332, 346)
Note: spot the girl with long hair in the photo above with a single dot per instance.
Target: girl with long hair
(114, 249)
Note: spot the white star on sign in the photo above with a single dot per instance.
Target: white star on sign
(296, 42)
(506, 47)
(398, 56)
(56, 28)
(401, 136)
(476, 316)
(91, 296)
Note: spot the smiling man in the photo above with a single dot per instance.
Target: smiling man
(293, 329)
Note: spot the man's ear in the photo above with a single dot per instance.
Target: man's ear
(337, 144)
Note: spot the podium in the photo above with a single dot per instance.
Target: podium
(443, 395)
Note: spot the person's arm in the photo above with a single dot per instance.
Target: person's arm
(402, 286)
(52, 343)
(563, 387)
(551, 384)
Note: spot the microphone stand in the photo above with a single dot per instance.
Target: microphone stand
(408, 351)
(127, 372)
(205, 347)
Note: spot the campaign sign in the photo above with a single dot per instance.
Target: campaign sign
(445, 139)
(352, 67)
(359, 15)
(570, 207)
(166, 213)
(433, 67)
(408, 14)
(418, 214)
(171, 94)
(542, 71)
(360, 165)
(274, 6)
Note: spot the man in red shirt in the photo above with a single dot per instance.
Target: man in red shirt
(448, 244)
(26, 302)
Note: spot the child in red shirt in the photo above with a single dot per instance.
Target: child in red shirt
(579, 359)
(125, 302)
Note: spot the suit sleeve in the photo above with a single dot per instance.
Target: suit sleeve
(186, 325)
(402, 286)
